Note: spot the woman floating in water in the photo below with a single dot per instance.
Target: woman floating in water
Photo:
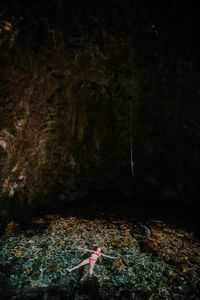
(91, 260)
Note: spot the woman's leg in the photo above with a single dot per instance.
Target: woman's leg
(84, 262)
(92, 263)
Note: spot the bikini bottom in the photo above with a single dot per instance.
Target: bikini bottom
(91, 259)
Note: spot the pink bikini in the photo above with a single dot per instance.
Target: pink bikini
(94, 259)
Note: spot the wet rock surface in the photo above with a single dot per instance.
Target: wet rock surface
(34, 262)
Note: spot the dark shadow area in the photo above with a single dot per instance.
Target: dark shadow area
(89, 287)
(100, 205)
(138, 211)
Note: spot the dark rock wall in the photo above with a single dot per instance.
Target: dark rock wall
(69, 73)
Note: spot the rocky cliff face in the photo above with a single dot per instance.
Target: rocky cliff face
(69, 75)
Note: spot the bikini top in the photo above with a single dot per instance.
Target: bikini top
(96, 253)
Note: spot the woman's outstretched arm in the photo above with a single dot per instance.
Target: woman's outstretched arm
(108, 256)
(87, 250)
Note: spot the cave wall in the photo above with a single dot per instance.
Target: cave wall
(69, 74)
